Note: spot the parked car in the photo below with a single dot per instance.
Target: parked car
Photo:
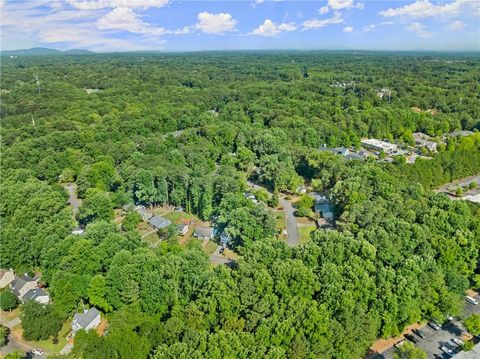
(458, 341)
(37, 351)
(434, 325)
(411, 338)
(419, 333)
(437, 356)
(399, 343)
(471, 300)
(446, 350)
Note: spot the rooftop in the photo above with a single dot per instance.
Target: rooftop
(159, 222)
(33, 294)
(84, 319)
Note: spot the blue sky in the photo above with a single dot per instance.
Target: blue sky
(170, 25)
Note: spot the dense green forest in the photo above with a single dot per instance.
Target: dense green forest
(189, 130)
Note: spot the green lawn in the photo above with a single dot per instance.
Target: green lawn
(280, 219)
(210, 247)
(304, 233)
(177, 217)
(152, 238)
(62, 340)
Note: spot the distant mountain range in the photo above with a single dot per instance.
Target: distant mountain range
(37, 51)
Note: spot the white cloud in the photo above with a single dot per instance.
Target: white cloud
(340, 4)
(323, 10)
(125, 19)
(360, 5)
(215, 23)
(424, 8)
(419, 29)
(101, 4)
(369, 28)
(269, 28)
(456, 25)
(348, 29)
(316, 23)
(345, 4)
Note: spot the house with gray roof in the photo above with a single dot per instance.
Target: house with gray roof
(203, 232)
(38, 295)
(7, 276)
(158, 222)
(22, 284)
(89, 319)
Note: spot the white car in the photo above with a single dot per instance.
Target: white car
(447, 350)
(38, 351)
(458, 341)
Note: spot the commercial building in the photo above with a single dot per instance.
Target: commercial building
(380, 146)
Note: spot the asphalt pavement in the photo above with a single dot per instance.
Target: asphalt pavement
(292, 229)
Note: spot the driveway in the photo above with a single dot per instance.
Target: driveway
(72, 196)
(291, 220)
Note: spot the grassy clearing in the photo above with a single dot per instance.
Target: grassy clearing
(152, 238)
(210, 247)
(304, 233)
(62, 340)
(181, 217)
(8, 316)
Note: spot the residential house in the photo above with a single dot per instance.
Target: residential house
(22, 284)
(7, 276)
(201, 232)
(224, 239)
(89, 319)
(182, 229)
(142, 211)
(38, 295)
(423, 140)
(346, 153)
(158, 222)
(324, 210)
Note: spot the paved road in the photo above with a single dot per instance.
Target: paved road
(292, 229)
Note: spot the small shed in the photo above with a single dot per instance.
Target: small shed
(182, 229)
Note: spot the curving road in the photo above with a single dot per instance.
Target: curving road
(292, 229)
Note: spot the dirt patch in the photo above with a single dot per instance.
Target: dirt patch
(101, 327)
(383, 344)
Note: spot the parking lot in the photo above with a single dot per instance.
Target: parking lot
(435, 339)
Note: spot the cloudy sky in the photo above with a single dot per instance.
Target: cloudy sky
(171, 25)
